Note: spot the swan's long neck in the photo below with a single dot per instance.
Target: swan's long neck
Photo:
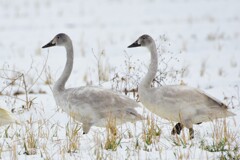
(60, 84)
(152, 70)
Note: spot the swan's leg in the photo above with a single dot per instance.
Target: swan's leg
(177, 129)
(188, 123)
(86, 127)
(191, 133)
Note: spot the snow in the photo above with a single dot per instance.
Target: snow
(202, 37)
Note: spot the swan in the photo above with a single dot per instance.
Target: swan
(179, 103)
(7, 117)
(88, 104)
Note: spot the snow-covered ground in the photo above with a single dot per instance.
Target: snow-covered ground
(200, 38)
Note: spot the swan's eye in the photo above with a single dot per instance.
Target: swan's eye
(58, 37)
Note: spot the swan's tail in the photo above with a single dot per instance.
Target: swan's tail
(229, 114)
(135, 114)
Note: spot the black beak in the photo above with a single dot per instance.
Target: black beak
(50, 44)
(135, 44)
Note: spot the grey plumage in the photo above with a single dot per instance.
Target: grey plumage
(178, 103)
(89, 105)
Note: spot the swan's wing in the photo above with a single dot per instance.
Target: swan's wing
(97, 97)
(211, 100)
(187, 96)
(100, 102)
(191, 98)
(189, 103)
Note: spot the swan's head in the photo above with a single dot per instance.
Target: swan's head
(60, 39)
(144, 41)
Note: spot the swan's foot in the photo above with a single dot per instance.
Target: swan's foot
(191, 133)
(177, 129)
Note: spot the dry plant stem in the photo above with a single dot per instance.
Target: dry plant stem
(39, 76)
(26, 91)
(113, 139)
(98, 65)
(72, 133)
(13, 80)
(101, 69)
(21, 77)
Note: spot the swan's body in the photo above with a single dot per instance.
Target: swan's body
(89, 105)
(179, 103)
(6, 117)
(93, 105)
(183, 104)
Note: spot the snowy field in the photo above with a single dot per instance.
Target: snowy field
(198, 45)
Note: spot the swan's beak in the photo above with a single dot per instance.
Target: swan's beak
(135, 44)
(50, 44)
